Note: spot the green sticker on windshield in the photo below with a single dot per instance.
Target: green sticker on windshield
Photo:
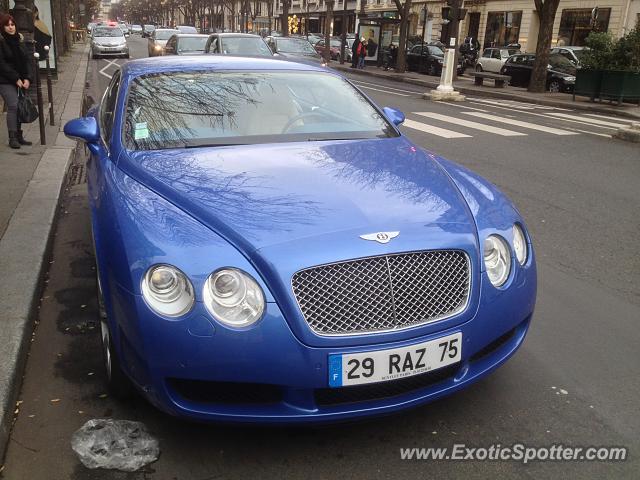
(141, 131)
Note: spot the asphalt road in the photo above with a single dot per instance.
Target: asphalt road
(574, 381)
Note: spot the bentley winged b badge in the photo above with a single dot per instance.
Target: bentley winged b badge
(380, 237)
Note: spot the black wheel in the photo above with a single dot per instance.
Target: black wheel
(478, 68)
(118, 383)
(555, 86)
(432, 70)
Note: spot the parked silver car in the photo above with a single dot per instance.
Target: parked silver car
(108, 41)
(158, 39)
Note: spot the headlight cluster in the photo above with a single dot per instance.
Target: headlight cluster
(497, 255)
(233, 297)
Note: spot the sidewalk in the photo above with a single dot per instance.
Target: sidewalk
(31, 181)
(465, 85)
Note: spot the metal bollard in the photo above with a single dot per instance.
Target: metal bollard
(43, 139)
(49, 88)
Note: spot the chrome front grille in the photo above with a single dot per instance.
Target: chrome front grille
(383, 293)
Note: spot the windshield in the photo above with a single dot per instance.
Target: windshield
(149, 27)
(164, 34)
(437, 51)
(245, 46)
(192, 44)
(177, 110)
(295, 45)
(561, 63)
(579, 53)
(107, 32)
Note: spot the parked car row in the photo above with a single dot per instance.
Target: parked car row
(561, 70)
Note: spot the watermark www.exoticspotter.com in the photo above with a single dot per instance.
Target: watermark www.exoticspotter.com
(517, 452)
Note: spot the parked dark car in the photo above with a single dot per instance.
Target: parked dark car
(297, 49)
(429, 59)
(561, 73)
(186, 44)
(237, 44)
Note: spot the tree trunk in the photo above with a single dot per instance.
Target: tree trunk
(284, 20)
(327, 31)
(546, 14)
(404, 12)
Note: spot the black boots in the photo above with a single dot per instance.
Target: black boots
(21, 139)
(13, 139)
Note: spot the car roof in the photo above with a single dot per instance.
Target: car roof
(191, 35)
(228, 34)
(144, 66)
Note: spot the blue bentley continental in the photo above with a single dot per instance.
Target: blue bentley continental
(270, 248)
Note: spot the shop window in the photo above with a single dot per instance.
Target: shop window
(503, 28)
(576, 25)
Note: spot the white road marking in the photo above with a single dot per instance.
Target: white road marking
(110, 63)
(618, 119)
(588, 120)
(588, 132)
(452, 104)
(384, 91)
(441, 132)
(551, 118)
(360, 82)
(475, 125)
(519, 123)
(514, 103)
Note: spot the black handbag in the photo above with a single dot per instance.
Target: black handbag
(27, 111)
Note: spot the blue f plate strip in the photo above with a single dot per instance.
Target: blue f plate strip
(335, 370)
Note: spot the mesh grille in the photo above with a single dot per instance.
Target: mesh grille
(383, 293)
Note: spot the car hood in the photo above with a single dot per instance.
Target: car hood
(109, 40)
(258, 196)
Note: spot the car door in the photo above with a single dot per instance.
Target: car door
(495, 61)
(514, 67)
(527, 69)
(171, 48)
(319, 46)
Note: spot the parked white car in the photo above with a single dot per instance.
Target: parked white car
(492, 59)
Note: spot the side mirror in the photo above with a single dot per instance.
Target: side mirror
(395, 116)
(84, 128)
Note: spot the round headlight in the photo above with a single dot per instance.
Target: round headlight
(233, 297)
(519, 244)
(497, 259)
(167, 291)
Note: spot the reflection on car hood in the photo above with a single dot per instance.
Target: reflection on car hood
(262, 195)
(301, 57)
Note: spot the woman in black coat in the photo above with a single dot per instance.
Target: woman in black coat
(15, 72)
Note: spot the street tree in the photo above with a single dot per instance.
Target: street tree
(327, 31)
(546, 11)
(404, 11)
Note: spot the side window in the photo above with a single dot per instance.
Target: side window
(529, 61)
(486, 54)
(108, 106)
(495, 54)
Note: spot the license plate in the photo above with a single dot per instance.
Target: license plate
(395, 363)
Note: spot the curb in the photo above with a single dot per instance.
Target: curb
(494, 93)
(24, 248)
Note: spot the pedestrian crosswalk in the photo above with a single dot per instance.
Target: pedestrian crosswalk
(468, 122)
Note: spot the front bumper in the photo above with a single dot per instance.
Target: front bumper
(109, 50)
(197, 368)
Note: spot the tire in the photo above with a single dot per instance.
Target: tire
(118, 384)
(478, 68)
(555, 86)
(431, 69)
